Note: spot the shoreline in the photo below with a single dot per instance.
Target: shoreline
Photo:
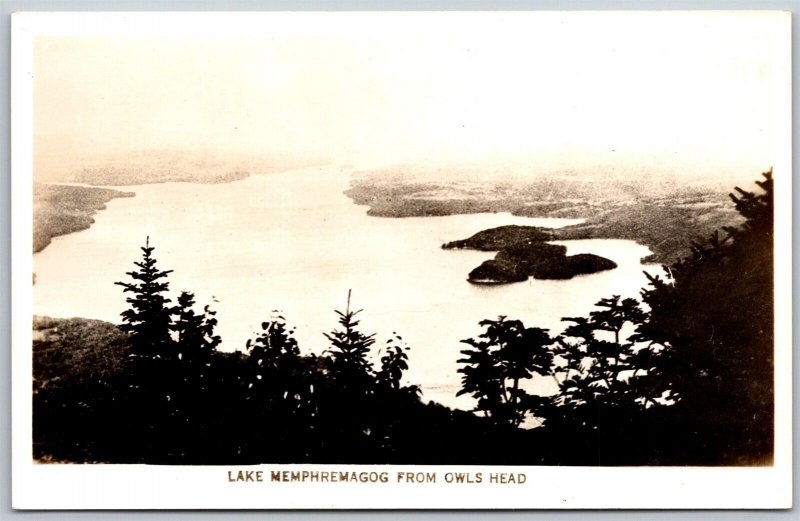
(667, 224)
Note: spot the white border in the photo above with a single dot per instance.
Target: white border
(151, 487)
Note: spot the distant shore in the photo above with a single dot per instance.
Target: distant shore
(68, 194)
(665, 220)
(62, 209)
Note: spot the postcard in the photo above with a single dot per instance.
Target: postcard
(401, 260)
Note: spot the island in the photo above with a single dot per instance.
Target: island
(501, 237)
(522, 253)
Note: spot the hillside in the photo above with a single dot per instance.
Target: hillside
(74, 350)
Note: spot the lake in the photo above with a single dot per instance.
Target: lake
(292, 244)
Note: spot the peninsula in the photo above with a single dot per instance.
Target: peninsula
(62, 209)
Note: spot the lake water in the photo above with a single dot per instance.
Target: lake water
(292, 243)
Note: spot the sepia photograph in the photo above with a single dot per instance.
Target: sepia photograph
(402, 259)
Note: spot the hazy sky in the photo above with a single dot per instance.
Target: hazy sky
(654, 88)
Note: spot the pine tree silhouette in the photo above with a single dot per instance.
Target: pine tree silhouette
(350, 347)
(149, 319)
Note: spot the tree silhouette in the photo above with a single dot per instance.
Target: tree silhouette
(148, 320)
(350, 347)
(195, 332)
(393, 363)
(601, 362)
(280, 386)
(505, 353)
(273, 357)
(482, 376)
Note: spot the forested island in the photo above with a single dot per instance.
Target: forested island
(683, 378)
(522, 252)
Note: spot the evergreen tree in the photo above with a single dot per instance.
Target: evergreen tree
(350, 401)
(148, 320)
(350, 347)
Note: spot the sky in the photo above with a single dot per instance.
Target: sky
(700, 91)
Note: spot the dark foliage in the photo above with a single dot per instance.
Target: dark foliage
(195, 336)
(349, 349)
(714, 315)
(599, 372)
(693, 381)
(496, 239)
(522, 252)
(506, 353)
